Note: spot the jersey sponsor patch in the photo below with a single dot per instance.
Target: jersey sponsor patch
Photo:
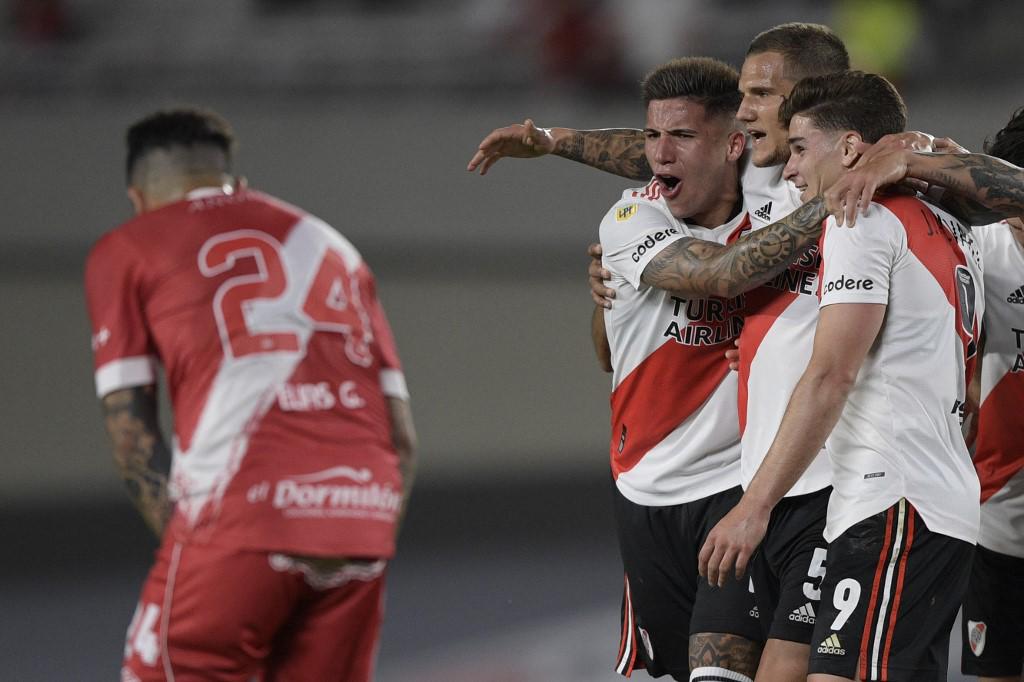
(626, 212)
(650, 240)
(976, 631)
(843, 282)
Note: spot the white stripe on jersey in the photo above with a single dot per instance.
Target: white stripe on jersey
(245, 388)
(125, 373)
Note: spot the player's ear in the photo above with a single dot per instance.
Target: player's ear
(851, 145)
(138, 201)
(737, 143)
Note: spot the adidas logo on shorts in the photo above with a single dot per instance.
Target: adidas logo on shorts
(765, 212)
(804, 614)
(754, 613)
(1017, 296)
(831, 645)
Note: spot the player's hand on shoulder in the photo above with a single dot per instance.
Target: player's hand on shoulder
(878, 166)
(597, 275)
(732, 356)
(520, 140)
(732, 542)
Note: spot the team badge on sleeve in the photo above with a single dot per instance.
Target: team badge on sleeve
(626, 212)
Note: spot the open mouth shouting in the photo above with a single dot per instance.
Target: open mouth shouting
(670, 185)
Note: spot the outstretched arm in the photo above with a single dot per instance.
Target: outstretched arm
(697, 268)
(141, 455)
(619, 151)
(842, 339)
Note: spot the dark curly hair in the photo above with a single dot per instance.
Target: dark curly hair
(1008, 143)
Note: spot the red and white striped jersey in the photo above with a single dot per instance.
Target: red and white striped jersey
(999, 446)
(278, 360)
(778, 336)
(899, 434)
(675, 433)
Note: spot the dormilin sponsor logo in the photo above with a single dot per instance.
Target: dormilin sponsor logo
(650, 241)
(844, 283)
(340, 491)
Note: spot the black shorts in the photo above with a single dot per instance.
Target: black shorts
(993, 620)
(665, 599)
(789, 566)
(889, 599)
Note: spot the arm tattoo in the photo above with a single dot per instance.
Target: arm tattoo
(994, 183)
(698, 268)
(141, 455)
(619, 151)
(969, 211)
(717, 650)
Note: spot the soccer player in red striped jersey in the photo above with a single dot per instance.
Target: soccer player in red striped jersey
(894, 348)
(293, 441)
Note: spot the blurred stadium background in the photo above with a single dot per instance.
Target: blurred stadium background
(366, 112)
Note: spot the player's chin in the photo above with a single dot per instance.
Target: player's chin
(765, 154)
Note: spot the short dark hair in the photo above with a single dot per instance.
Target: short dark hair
(709, 82)
(807, 49)
(854, 100)
(178, 128)
(1008, 144)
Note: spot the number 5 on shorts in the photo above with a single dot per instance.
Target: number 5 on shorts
(816, 573)
(142, 638)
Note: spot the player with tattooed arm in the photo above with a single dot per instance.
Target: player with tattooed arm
(993, 618)
(779, 318)
(279, 502)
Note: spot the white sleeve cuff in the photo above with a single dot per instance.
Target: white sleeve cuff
(125, 373)
(392, 384)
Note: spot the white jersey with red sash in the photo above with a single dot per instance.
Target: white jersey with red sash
(675, 432)
(778, 335)
(999, 446)
(899, 434)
